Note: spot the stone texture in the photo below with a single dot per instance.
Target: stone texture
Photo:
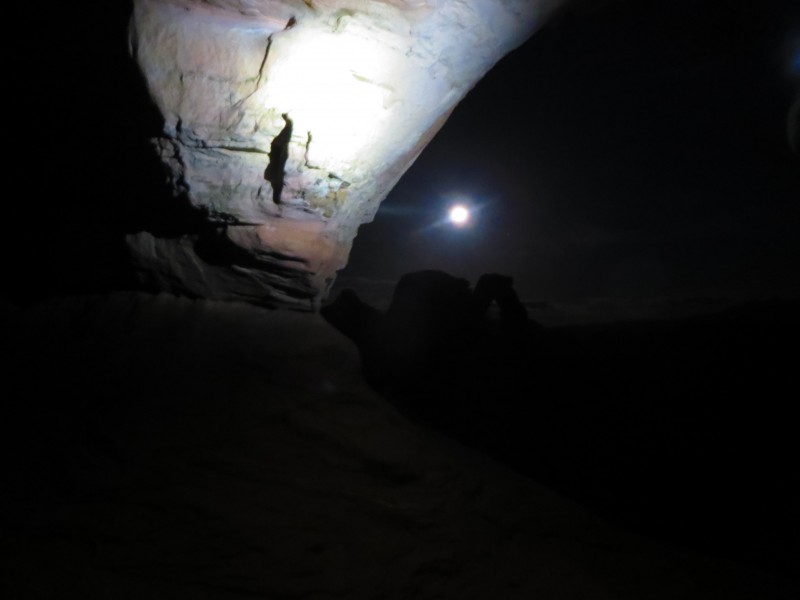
(287, 122)
(165, 448)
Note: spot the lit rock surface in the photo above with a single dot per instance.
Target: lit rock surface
(164, 448)
(287, 122)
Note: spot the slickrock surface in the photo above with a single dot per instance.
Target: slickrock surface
(168, 448)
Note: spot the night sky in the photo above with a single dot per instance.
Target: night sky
(637, 151)
(640, 151)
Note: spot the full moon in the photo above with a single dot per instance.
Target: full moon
(459, 215)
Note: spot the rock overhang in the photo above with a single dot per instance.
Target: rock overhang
(287, 122)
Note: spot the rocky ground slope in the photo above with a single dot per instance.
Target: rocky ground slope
(166, 448)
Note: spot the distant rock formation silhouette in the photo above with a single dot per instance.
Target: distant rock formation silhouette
(654, 424)
(436, 328)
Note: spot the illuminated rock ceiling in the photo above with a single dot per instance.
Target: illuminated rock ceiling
(287, 122)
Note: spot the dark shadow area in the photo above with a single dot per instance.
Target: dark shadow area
(157, 447)
(86, 174)
(679, 429)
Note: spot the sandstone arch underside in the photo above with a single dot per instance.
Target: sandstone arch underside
(287, 122)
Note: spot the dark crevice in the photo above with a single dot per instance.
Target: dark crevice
(215, 248)
(247, 149)
(292, 291)
(263, 64)
(282, 257)
(278, 154)
(260, 74)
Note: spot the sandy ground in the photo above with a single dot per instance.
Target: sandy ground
(159, 447)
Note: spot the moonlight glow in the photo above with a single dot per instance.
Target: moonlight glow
(459, 215)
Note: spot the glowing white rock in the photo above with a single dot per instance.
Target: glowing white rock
(289, 121)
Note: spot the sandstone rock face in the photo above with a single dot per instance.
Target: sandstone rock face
(287, 122)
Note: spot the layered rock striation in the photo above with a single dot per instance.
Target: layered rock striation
(287, 122)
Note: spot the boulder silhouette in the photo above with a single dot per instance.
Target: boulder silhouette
(436, 330)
